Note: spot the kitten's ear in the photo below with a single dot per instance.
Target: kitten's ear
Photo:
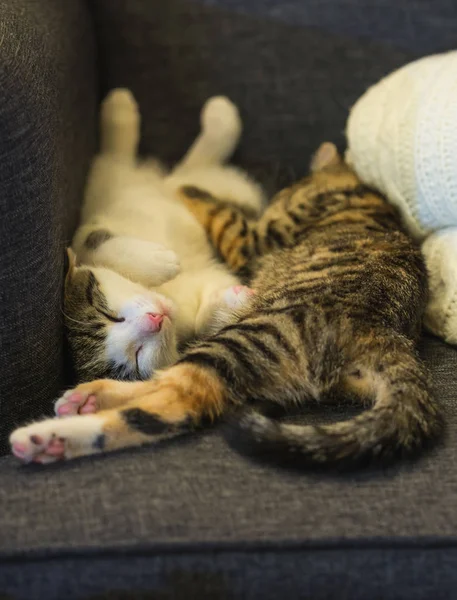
(327, 155)
(71, 263)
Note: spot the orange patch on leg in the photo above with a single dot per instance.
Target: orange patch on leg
(182, 392)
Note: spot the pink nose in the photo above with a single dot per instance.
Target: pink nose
(155, 321)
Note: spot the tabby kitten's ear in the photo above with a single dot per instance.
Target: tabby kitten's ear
(71, 257)
(327, 155)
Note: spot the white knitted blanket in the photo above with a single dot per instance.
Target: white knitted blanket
(402, 140)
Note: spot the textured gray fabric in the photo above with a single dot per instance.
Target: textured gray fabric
(306, 572)
(196, 509)
(47, 132)
(294, 67)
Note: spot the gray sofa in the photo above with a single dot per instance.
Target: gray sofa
(195, 519)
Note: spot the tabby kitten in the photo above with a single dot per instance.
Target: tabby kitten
(340, 293)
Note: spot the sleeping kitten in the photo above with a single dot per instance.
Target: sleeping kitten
(340, 294)
(148, 281)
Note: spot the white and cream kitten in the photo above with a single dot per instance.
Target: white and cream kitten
(145, 280)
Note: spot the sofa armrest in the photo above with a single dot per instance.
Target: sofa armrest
(48, 99)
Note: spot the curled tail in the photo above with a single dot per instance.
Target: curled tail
(402, 418)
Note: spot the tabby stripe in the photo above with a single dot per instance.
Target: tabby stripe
(342, 248)
(95, 325)
(415, 380)
(244, 272)
(297, 294)
(334, 220)
(307, 288)
(297, 318)
(231, 249)
(282, 310)
(192, 191)
(92, 335)
(218, 208)
(218, 363)
(274, 235)
(263, 349)
(338, 262)
(230, 221)
(238, 354)
(295, 218)
(92, 282)
(245, 251)
(267, 329)
(373, 227)
(244, 227)
(256, 241)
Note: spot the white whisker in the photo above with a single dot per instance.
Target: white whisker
(71, 318)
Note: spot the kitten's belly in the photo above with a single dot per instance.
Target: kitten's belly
(167, 223)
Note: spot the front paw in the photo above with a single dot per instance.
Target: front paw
(52, 440)
(94, 396)
(169, 262)
(75, 402)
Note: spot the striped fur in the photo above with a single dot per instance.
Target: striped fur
(340, 293)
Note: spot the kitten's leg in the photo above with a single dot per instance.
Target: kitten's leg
(120, 125)
(139, 260)
(233, 236)
(220, 132)
(157, 409)
(238, 240)
(82, 401)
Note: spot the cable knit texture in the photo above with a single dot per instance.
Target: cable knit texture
(402, 140)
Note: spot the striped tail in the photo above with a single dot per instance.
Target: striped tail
(403, 418)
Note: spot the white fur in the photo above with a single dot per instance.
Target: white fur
(79, 433)
(160, 253)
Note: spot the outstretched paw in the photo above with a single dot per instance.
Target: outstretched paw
(57, 439)
(91, 397)
(76, 403)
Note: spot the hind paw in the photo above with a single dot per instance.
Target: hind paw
(120, 107)
(218, 115)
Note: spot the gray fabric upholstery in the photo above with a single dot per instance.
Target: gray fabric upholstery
(195, 519)
(196, 516)
(294, 67)
(47, 133)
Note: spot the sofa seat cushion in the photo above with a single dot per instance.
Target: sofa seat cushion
(197, 509)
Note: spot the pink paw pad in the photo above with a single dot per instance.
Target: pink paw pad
(74, 403)
(75, 398)
(65, 409)
(239, 289)
(90, 406)
(56, 447)
(19, 450)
